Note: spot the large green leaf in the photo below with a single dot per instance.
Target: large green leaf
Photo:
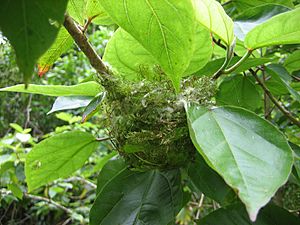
(209, 182)
(128, 197)
(251, 155)
(254, 16)
(164, 28)
(280, 29)
(239, 91)
(292, 62)
(236, 214)
(211, 14)
(132, 61)
(31, 27)
(57, 157)
(62, 43)
(84, 89)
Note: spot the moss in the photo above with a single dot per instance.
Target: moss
(148, 121)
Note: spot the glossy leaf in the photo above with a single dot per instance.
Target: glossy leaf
(280, 29)
(251, 155)
(292, 62)
(77, 10)
(239, 91)
(84, 89)
(69, 102)
(252, 17)
(209, 182)
(236, 214)
(62, 43)
(128, 197)
(164, 28)
(58, 157)
(32, 28)
(93, 107)
(213, 66)
(211, 14)
(280, 82)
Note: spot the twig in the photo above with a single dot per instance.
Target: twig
(103, 139)
(226, 3)
(92, 185)
(199, 206)
(82, 41)
(287, 113)
(296, 78)
(28, 110)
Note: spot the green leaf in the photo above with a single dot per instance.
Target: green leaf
(164, 28)
(16, 190)
(62, 43)
(93, 107)
(94, 10)
(58, 157)
(83, 89)
(69, 102)
(246, 4)
(239, 91)
(77, 10)
(211, 14)
(280, 29)
(31, 27)
(128, 197)
(202, 52)
(251, 155)
(280, 82)
(254, 16)
(129, 58)
(213, 66)
(209, 182)
(236, 214)
(292, 62)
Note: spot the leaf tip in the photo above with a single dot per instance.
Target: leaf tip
(42, 70)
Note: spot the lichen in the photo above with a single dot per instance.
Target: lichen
(148, 122)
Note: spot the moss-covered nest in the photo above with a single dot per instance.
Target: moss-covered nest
(148, 122)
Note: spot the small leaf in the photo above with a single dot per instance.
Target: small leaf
(211, 14)
(280, 29)
(16, 190)
(94, 10)
(58, 157)
(251, 155)
(69, 102)
(84, 89)
(128, 197)
(236, 214)
(62, 43)
(93, 107)
(239, 91)
(292, 62)
(31, 27)
(164, 28)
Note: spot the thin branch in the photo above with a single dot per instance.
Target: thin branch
(80, 179)
(227, 3)
(296, 78)
(287, 113)
(103, 139)
(235, 66)
(82, 41)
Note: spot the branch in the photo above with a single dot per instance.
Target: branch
(82, 41)
(80, 179)
(287, 113)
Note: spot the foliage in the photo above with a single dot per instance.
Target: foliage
(195, 109)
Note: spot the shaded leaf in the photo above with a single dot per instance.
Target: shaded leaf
(239, 91)
(280, 29)
(93, 107)
(84, 89)
(128, 197)
(211, 14)
(31, 27)
(251, 155)
(164, 28)
(236, 214)
(58, 157)
(69, 102)
(292, 62)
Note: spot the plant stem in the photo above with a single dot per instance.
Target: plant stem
(235, 66)
(82, 41)
(287, 113)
